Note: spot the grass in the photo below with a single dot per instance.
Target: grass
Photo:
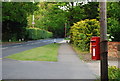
(83, 55)
(43, 53)
(66, 38)
(114, 73)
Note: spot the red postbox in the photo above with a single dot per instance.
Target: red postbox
(95, 48)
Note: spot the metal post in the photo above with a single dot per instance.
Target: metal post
(33, 16)
(103, 40)
(33, 21)
(65, 29)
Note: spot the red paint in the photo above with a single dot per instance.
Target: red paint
(95, 48)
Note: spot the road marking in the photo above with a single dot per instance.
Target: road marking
(15, 46)
(64, 41)
(37, 42)
(29, 41)
(12, 47)
(32, 43)
(5, 48)
(45, 41)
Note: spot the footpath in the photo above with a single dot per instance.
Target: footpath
(66, 54)
(77, 68)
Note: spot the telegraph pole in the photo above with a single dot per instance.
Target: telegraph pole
(103, 42)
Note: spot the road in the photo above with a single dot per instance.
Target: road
(16, 48)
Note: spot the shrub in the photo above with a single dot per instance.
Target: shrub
(37, 33)
(114, 73)
(114, 28)
(82, 31)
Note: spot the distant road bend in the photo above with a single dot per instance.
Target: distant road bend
(19, 47)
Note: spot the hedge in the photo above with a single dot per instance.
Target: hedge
(114, 73)
(37, 33)
(82, 31)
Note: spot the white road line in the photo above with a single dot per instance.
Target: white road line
(64, 41)
(32, 43)
(18, 46)
(29, 41)
(38, 43)
(12, 47)
(15, 46)
(5, 48)
(45, 41)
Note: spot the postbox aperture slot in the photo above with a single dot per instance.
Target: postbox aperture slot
(93, 40)
(93, 45)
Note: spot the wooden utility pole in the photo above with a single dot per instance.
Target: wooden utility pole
(103, 42)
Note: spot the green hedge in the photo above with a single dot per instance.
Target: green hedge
(37, 33)
(82, 31)
(114, 73)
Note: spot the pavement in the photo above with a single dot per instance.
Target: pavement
(69, 66)
(95, 65)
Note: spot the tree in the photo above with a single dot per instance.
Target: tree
(14, 19)
(113, 14)
(50, 17)
(91, 10)
(79, 11)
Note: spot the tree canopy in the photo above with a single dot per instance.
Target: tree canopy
(14, 18)
(113, 14)
(54, 17)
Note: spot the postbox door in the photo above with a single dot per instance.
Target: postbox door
(95, 48)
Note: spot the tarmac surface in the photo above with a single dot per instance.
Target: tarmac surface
(69, 66)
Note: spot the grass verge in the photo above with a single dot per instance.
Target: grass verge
(66, 38)
(84, 55)
(43, 53)
(113, 74)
